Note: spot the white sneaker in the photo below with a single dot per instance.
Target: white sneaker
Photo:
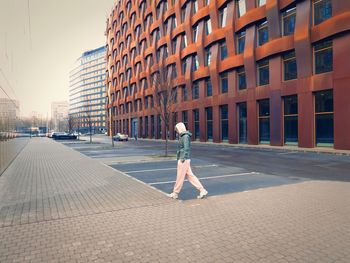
(173, 195)
(203, 193)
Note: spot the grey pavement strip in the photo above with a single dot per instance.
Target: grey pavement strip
(209, 178)
(172, 168)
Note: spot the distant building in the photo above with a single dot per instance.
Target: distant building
(9, 114)
(59, 115)
(87, 91)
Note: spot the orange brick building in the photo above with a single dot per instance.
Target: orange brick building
(248, 71)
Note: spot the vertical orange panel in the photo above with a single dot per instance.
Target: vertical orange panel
(341, 92)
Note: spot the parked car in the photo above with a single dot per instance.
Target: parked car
(120, 137)
(64, 136)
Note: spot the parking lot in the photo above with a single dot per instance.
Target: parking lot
(226, 173)
(217, 179)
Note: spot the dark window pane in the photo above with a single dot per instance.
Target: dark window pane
(263, 71)
(223, 50)
(291, 105)
(196, 123)
(224, 83)
(224, 112)
(290, 66)
(288, 22)
(242, 84)
(264, 130)
(322, 10)
(185, 118)
(263, 34)
(264, 108)
(184, 94)
(195, 90)
(324, 130)
(291, 129)
(242, 123)
(224, 122)
(241, 42)
(209, 90)
(209, 113)
(324, 101)
(323, 57)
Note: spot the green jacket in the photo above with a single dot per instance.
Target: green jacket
(183, 148)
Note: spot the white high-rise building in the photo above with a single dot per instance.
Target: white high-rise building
(87, 91)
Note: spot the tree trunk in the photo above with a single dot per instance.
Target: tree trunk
(90, 134)
(166, 142)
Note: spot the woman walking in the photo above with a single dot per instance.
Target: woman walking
(183, 164)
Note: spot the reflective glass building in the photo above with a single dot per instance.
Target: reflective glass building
(87, 92)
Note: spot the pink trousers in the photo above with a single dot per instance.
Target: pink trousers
(183, 170)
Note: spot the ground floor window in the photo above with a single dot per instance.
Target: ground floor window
(224, 122)
(196, 124)
(146, 127)
(159, 127)
(153, 130)
(209, 122)
(324, 118)
(264, 121)
(290, 118)
(242, 123)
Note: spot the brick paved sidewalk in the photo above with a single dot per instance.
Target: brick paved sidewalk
(49, 181)
(60, 206)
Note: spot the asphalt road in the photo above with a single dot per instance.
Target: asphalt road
(221, 169)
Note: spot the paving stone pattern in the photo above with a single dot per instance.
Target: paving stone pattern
(51, 181)
(304, 222)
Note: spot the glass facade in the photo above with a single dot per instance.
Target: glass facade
(87, 92)
(290, 120)
(324, 118)
(264, 121)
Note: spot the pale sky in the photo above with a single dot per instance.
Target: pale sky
(36, 59)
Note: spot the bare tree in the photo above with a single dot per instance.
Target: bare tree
(165, 96)
(71, 122)
(87, 117)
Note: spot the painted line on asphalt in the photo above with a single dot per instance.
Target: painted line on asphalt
(208, 178)
(166, 169)
(286, 153)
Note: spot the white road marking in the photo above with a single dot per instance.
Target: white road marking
(287, 153)
(166, 169)
(208, 178)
